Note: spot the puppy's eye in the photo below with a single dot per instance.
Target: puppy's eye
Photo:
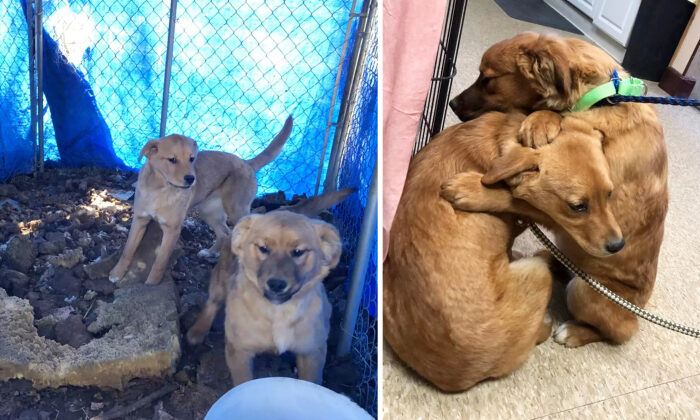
(264, 249)
(172, 160)
(579, 208)
(609, 195)
(298, 253)
(191, 159)
(485, 80)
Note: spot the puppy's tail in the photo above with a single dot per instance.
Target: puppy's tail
(274, 149)
(311, 207)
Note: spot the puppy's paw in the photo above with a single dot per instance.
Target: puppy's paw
(463, 191)
(573, 334)
(561, 334)
(116, 274)
(153, 279)
(539, 129)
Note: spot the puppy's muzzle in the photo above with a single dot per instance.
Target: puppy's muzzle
(277, 291)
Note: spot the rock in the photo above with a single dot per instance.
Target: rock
(212, 368)
(90, 295)
(271, 201)
(72, 331)
(8, 190)
(182, 377)
(15, 282)
(9, 202)
(96, 406)
(68, 259)
(102, 285)
(160, 414)
(21, 253)
(121, 195)
(30, 414)
(63, 282)
(55, 243)
(100, 268)
(137, 341)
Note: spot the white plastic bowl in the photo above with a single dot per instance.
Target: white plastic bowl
(284, 399)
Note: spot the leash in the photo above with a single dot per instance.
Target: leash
(544, 240)
(626, 90)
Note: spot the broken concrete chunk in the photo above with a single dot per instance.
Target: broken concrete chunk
(139, 340)
(21, 253)
(55, 242)
(72, 331)
(68, 259)
(100, 268)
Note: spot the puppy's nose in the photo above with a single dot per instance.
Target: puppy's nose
(615, 246)
(189, 179)
(276, 285)
(453, 104)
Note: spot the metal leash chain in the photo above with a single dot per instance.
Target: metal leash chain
(655, 100)
(544, 240)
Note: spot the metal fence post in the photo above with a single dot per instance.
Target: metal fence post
(355, 75)
(168, 67)
(32, 80)
(39, 57)
(368, 231)
(335, 94)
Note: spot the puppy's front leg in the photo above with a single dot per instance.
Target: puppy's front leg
(310, 366)
(466, 192)
(170, 235)
(240, 363)
(138, 228)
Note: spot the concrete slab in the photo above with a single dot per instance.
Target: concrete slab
(141, 339)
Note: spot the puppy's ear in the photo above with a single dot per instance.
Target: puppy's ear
(516, 161)
(149, 149)
(331, 247)
(544, 63)
(239, 232)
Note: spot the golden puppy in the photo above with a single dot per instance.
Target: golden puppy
(271, 278)
(531, 72)
(176, 178)
(225, 268)
(457, 309)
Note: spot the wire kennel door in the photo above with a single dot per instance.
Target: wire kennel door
(435, 109)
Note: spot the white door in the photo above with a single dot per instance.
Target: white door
(586, 6)
(615, 17)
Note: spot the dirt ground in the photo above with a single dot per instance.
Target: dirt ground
(53, 226)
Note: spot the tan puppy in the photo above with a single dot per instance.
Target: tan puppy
(532, 71)
(272, 276)
(176, 178)
(225, 269)
(456, 308)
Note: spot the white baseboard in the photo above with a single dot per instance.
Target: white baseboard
(585, 25)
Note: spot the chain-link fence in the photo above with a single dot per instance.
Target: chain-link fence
(238, 70)
(15, 156)
(357, 169)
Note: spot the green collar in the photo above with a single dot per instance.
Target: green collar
(626, 87)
